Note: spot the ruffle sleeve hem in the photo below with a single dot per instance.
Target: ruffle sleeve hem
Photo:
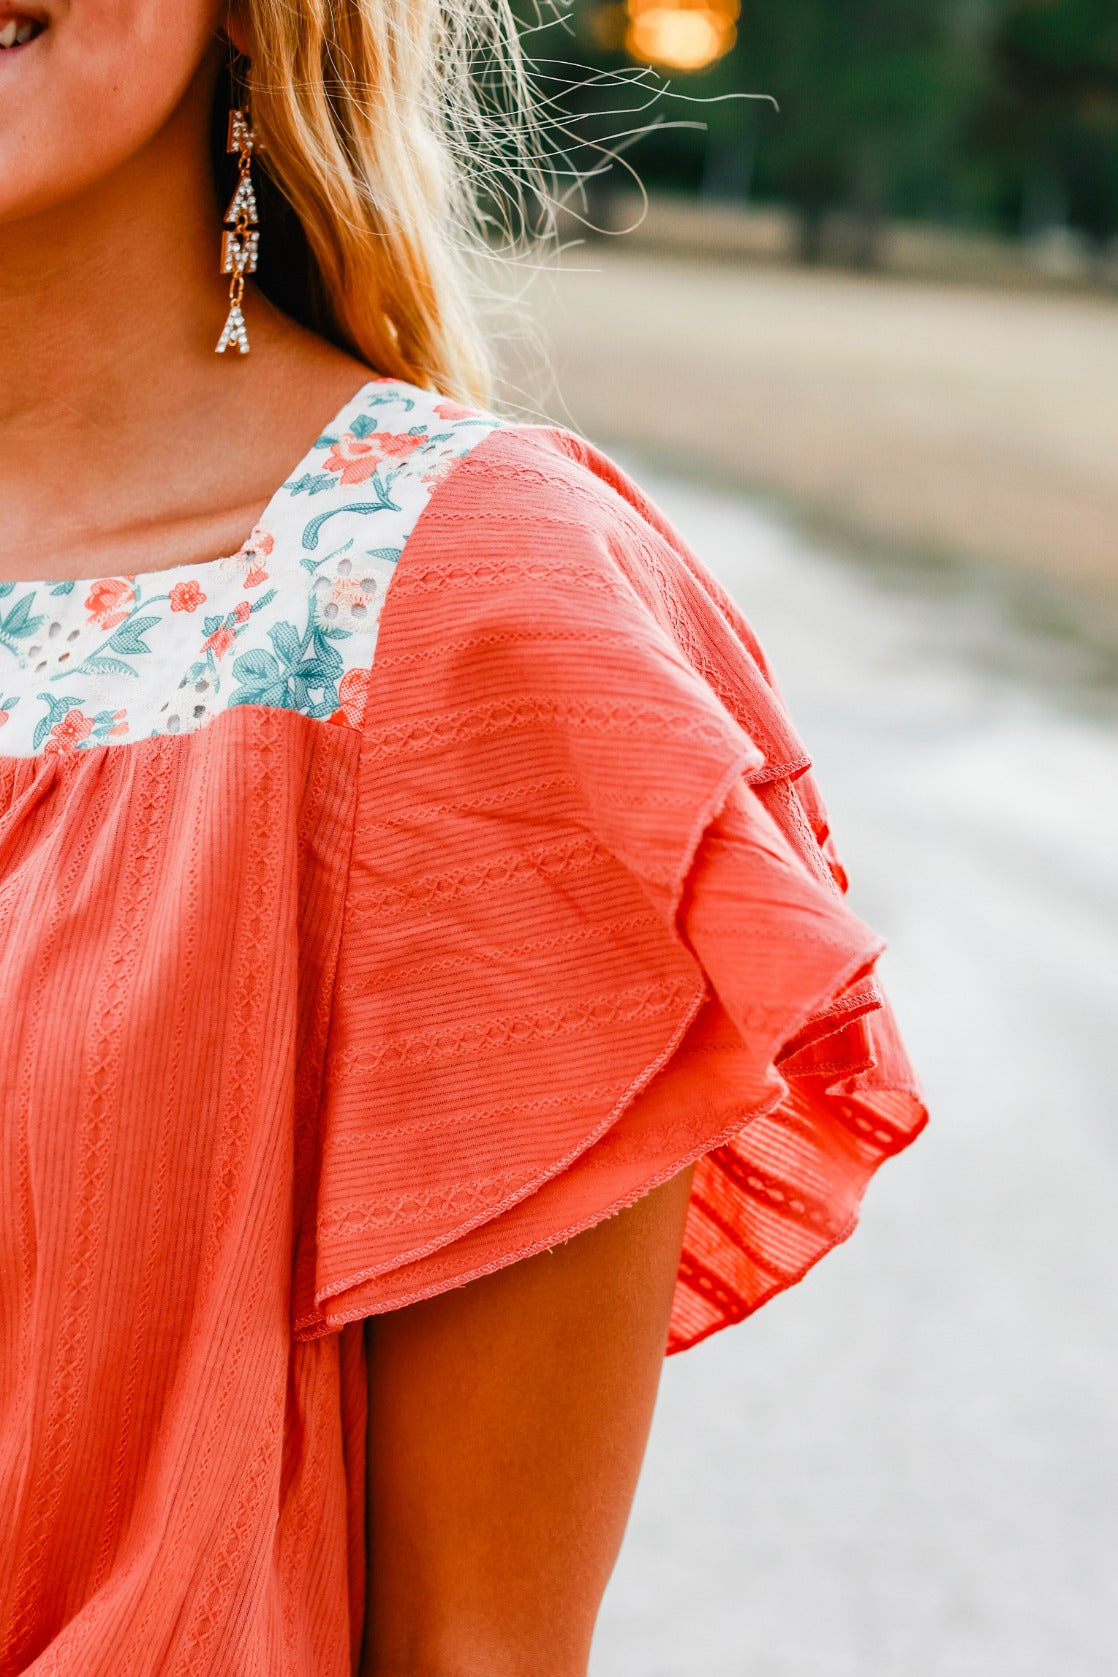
(595, 927)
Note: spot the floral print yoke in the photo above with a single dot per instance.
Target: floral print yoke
(289, 620)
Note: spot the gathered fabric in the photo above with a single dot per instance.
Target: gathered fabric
(356, 990)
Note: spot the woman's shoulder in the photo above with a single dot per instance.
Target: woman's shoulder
(501, 474)
(416, 479)
(398, 450)
(539, 561)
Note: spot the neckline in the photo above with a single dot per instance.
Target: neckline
(209, 567)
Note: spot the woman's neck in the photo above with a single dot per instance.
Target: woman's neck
(120, 429)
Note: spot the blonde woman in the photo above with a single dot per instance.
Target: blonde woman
(426, 990)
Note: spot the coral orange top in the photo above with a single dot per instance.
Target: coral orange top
(378, 905)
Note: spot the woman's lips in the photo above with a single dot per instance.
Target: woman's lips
(17, 29)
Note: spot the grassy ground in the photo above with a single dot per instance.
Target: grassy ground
(937, 421)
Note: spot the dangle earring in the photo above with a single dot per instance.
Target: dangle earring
(240, 243)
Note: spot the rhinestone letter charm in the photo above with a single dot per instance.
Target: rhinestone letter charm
(239, 252)
(243, 202)
(240, 243)
(234, 332)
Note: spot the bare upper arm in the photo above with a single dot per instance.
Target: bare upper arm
(507, 1422)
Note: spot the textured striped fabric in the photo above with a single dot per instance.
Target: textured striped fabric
(305, 1015)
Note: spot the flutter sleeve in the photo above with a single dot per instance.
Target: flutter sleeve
(595, 926)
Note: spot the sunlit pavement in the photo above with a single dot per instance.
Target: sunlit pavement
(906, 1466)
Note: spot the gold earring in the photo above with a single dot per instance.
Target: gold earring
(240, 243)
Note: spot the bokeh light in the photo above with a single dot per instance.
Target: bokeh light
(680, 34)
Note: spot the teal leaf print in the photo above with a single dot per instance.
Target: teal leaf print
(61, 588)
(5, 589)
(313, 565)
(292, 652)
(210, 625)
(9, 704)
(366, 423)
(325, 666)
(129, 638)
(312, 483)
(19, 624)
(100, 665)
(313, 673)
(103, 724)
(314, 528)
(392, 554)
(322, 648)
(272, 693)
(256, 667)
(286, 642)
(301, 665)
(56, 710)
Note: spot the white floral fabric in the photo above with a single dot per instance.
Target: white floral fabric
(290, 620)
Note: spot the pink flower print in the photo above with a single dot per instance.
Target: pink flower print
(4, 714)
(454, 410)
(220, 641)
(357, 458)
(223, 637)
(352, 690)
(249, 557)
(397, 445)
(110, 600)
(120, 723)
(65, 734)
(186, 596)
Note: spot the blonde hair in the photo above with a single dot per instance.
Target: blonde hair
(378, 133)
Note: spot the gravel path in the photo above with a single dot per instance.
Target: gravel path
(905, 1466)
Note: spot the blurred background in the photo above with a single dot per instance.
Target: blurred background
(858, 337)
